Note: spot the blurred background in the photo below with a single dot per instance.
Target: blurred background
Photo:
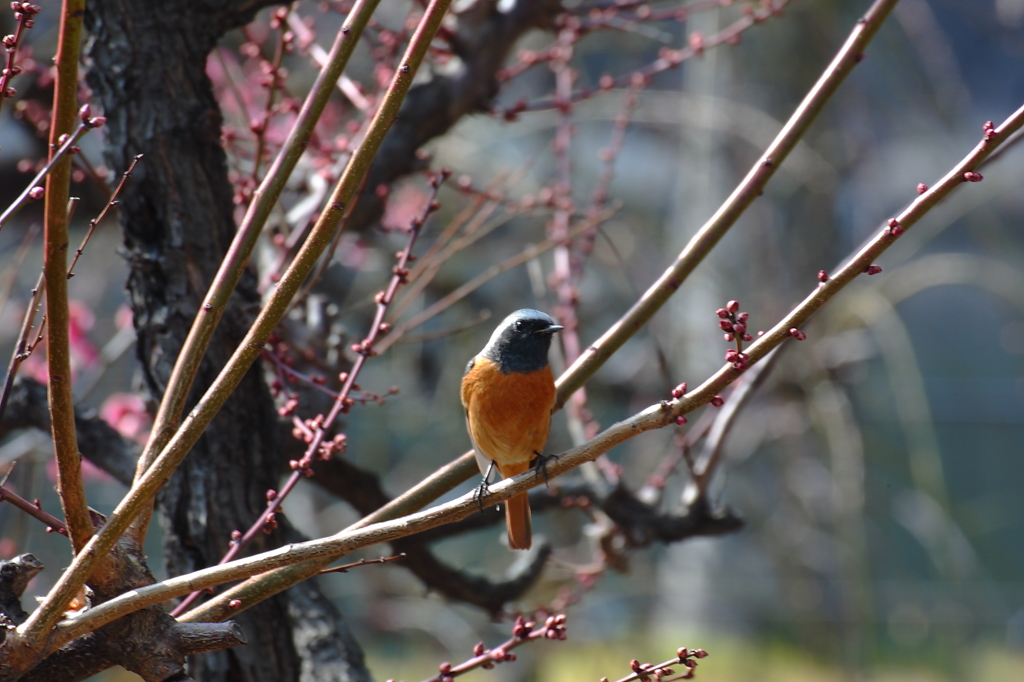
(879, 467)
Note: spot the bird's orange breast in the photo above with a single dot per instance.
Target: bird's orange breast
(509, 415)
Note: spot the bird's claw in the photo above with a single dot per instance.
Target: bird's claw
(480, 492)
(540, 464)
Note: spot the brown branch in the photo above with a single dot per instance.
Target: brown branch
(522, 633)
(55, 268)
(363, 491)
(35, 511)
(25, 14)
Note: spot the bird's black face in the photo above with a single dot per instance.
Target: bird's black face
(521, 341)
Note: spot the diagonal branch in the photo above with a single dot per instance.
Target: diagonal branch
(254, 590)
(726, 216)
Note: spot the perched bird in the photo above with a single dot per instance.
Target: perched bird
(508, 392)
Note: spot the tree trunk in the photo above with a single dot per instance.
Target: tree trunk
(147, 69)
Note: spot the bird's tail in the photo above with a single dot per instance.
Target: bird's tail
(517, 520)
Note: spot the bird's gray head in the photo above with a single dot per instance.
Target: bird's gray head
(521, 341)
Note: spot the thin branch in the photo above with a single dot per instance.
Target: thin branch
(25, 14)
(280, 15)
(664, 672)
(22, 348)
(34, 190)
(111, 202)
(742, 197)
(33, 510)
(529, 253)
(706, 463)
(522, 632)
(363, 562)
(14, 267)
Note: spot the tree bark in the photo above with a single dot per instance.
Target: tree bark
(148, 71)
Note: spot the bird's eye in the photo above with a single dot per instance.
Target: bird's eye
(519, 325)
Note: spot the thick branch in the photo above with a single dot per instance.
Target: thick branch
(55, 268)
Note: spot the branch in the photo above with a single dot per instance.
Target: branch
(363, 491)
(33, 190)
(742, 197)
(25, 14)
(327, 549)
(458, 471)
(55, 268)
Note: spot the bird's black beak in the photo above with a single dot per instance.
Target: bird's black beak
(551, 330)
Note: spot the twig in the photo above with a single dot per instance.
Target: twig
(111, 202)
(363, 562)
(33, 510)
(279, 17)
(522, 632)
(12, 269)
(706, 463)
(664, 672)
(25, 14)
(23, 348)
(34, 190)
(529, 253)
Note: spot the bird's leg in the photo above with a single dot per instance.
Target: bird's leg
(540, 463)
(484, 487)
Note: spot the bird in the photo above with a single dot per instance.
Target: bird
(508, 392)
